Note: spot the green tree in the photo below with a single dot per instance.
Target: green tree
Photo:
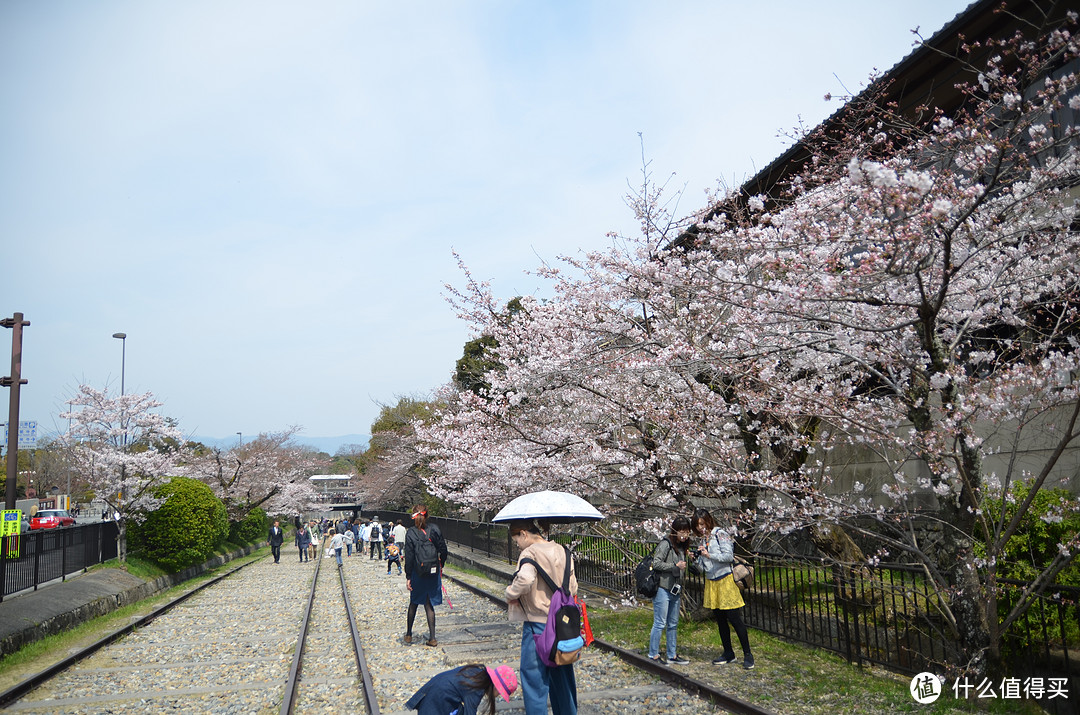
(478, 357)
(25, 460)
(392, 472)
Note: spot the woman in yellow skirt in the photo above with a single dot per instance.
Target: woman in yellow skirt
(715, 557)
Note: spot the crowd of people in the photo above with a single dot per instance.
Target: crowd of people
(696, 543)
(342, 537)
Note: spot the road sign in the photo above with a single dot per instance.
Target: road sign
(27, 434)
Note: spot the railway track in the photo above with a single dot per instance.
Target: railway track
(279, 638)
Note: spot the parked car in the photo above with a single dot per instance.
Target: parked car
(51, 519)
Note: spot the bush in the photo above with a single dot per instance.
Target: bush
(1051, 520)
(250, 529)
(186, 528)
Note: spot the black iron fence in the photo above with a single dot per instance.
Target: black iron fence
(37, 557)
(886, 614)
(485, 537)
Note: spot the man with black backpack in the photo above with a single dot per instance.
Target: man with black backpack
(376, 538)
(529, 600)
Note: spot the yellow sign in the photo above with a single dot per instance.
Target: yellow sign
(10, 528)
(12, 523)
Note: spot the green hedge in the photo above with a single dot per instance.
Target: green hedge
(250, 529)
(186, 529)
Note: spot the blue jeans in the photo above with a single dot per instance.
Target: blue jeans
(539, 681)
(665, 618)
(337, 552)
(348, 548)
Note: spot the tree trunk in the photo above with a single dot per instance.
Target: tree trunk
(969, 608)
(121, 540)
(836, 543)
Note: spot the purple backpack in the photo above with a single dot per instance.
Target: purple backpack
(560, 642)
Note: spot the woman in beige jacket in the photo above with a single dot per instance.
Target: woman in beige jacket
(528, 601)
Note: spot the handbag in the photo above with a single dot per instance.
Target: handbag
(743, 573)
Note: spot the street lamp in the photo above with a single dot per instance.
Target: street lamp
(122, 337)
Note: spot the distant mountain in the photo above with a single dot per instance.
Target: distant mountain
(330, 445)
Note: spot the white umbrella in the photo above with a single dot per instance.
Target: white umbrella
(557, 507)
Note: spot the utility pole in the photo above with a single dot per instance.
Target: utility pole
(13, 381)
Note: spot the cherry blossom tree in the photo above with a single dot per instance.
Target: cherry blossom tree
(124, 450)
(585, 396)
(269, 472)
(913, 298)
(908, 301)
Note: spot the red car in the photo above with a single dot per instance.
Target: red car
(51, 519)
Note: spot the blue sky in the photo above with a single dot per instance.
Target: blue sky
(265, 196)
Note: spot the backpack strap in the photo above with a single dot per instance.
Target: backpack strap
(566, 571)
(543, 574)
(540, 571)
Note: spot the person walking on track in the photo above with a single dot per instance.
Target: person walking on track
(276, 539)
(425, 554)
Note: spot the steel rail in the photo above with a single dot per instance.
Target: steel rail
(370, 699)
(17, 691)
(289, 699)
(683, 682)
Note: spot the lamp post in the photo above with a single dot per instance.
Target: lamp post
(122, 337)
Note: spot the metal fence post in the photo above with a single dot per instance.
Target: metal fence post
(38, 542)
(63, 554)
(3, 565)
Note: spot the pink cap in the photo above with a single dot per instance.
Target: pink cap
(505, 680)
